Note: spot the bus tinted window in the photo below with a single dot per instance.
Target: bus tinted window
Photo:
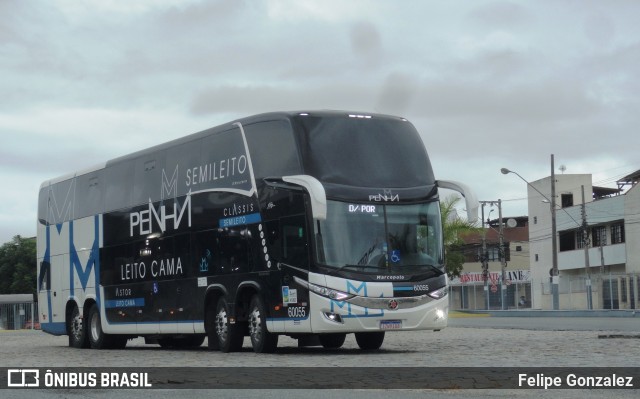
(89, 194)
(272, 148)
(234, 251)
(119, 181)
(376, 152)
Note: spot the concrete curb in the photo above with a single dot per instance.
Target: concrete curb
(554, 313)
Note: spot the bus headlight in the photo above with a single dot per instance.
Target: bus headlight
(330, 293)
(439, 293)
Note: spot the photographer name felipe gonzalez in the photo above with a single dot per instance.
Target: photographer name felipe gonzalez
(573, 380)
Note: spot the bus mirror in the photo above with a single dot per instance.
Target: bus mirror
(316, 192)
(469, 197)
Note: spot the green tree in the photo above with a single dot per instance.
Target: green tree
(453, 228)
(18, 266)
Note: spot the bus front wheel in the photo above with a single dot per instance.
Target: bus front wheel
(370, 340)
(262, 340)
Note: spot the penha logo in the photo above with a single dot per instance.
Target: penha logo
(153, 220)
(386, 196)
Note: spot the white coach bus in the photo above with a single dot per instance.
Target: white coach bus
(308, 224)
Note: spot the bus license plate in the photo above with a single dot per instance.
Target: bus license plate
(390, 324)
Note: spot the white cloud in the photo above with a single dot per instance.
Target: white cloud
(79, 10)
(495, 42)
(328, 10)
(489, 84)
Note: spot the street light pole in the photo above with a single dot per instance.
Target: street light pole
(554, 244)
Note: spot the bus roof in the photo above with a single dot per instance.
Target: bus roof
(269, 116)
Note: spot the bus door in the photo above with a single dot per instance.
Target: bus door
(288, 245)
(295, 252)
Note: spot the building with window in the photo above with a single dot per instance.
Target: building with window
(468, 291)
(596, 240)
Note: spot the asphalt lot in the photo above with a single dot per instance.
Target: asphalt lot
(468, 342)
(451, 347)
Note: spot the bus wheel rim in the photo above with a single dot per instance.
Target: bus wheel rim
(221, 324)
(94, 326)
(255, 326)
(76, 325)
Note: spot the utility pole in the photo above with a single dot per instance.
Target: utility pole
(585, 243)
(483, 258)
(485, 255)
(555, 278)
(503, 262)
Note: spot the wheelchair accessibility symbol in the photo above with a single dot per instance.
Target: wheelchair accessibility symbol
(395, 256)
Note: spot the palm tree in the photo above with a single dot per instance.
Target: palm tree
(453, 228)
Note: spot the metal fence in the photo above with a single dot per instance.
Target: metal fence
(17, 316)
(474, 296)
(610, 291)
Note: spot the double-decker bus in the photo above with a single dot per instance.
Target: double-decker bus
(312, 225)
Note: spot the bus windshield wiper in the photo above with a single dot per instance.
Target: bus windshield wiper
(431, 268)
(361, 267)
(436, 269)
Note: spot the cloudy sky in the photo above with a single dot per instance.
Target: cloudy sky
(489, 84)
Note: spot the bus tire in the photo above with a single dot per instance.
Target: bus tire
(213, 343)
(262, 340)
(229, 335)
(333, 340)
(77, 329)
(370, 340)
(97, 338)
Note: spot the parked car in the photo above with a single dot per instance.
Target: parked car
(28, 325)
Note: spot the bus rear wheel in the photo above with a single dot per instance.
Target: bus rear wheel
(370, 340)
(332, 341)
(262, 340)
(228, 334)
(97, 338)
(77, 329)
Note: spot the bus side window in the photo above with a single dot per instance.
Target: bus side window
(234, 251)
(207, 253)
(44, 280)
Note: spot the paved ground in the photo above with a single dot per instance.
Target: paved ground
(452, 347)
(462, 346)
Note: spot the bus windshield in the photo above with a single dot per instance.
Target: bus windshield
(381, 239)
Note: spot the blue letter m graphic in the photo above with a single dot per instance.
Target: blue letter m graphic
(351, 289)
(84, 271)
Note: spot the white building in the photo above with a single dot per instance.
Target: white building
(613, 232)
